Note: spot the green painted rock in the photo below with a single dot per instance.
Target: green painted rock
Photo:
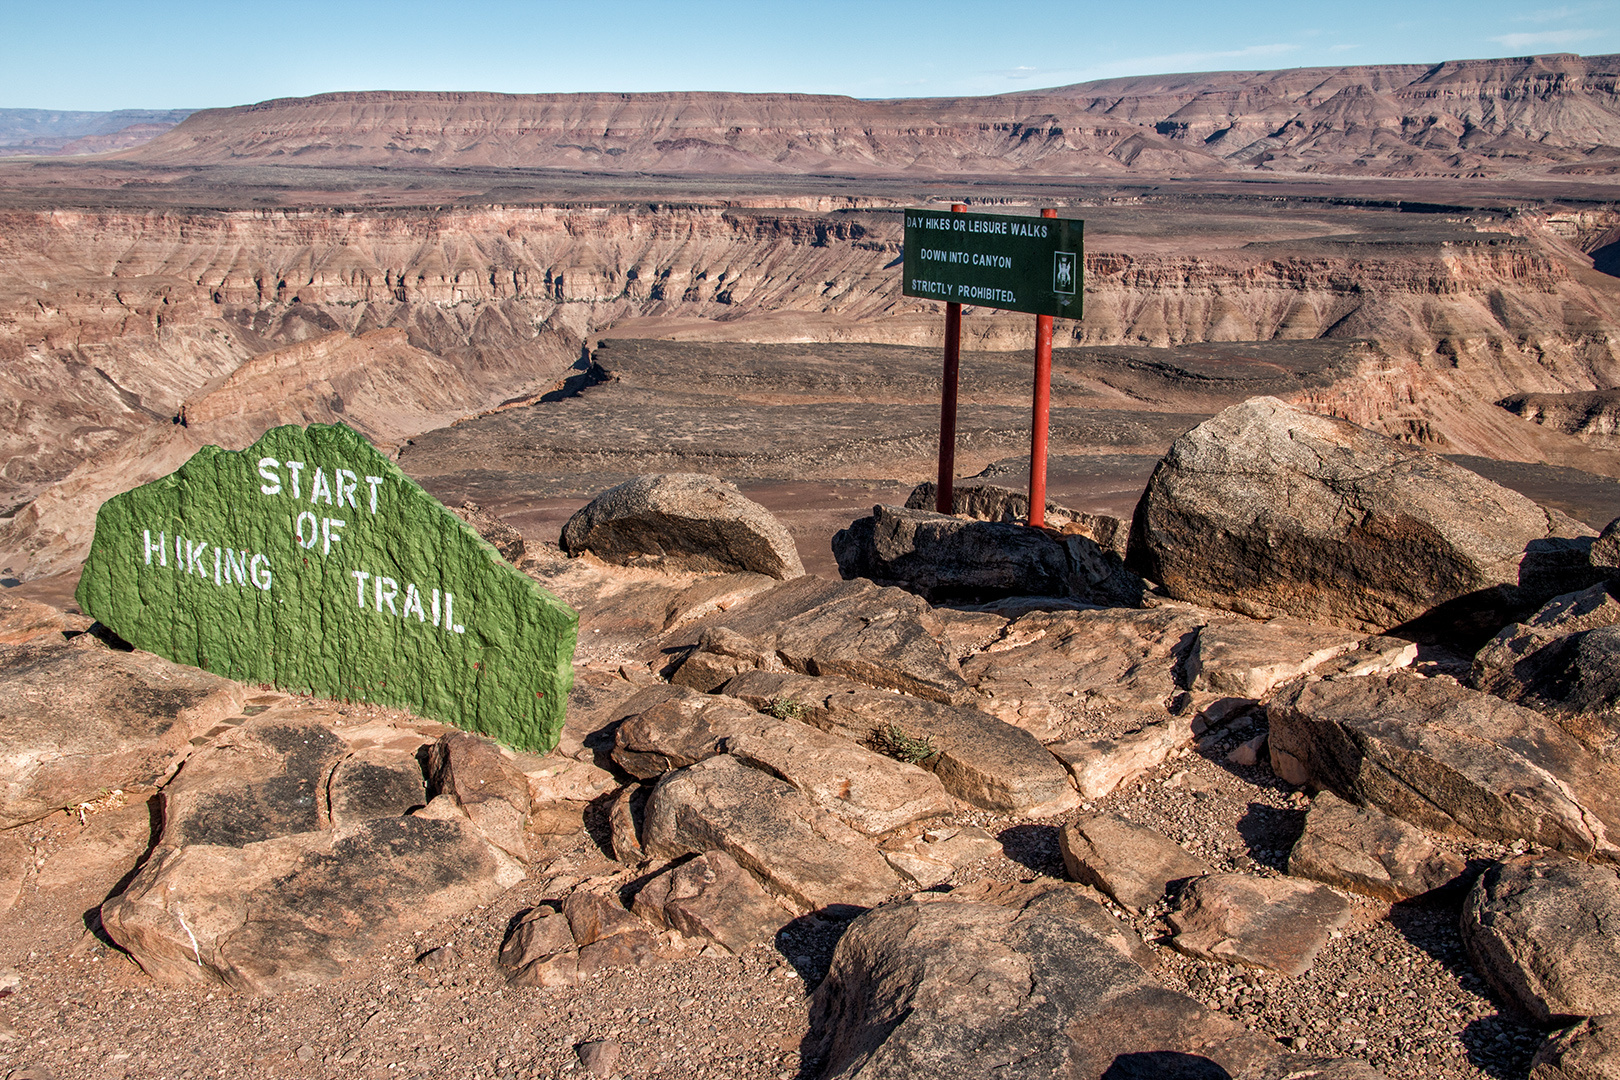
(310, 562)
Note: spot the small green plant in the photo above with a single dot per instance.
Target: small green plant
(787, 709)
(892, 740)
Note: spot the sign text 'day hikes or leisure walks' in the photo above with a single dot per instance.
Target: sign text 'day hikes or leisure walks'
(1029, 264)
(311, 562)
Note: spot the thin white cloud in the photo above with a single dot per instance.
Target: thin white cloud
(1163, 63)
(1547, 15)
(1546, 39)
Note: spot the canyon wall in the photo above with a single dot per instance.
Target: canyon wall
(117, 324)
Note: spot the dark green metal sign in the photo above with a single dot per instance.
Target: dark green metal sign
(1029, 264)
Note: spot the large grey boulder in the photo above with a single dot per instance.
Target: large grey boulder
(1564, 661)
(1267, 509)
(292, 848)
(1541, 930)
(683, 521)
(957, 990)
(944, 558)
(1449, 759)
(78, 718)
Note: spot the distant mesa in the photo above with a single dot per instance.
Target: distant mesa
(1458, 118)
(55, 133)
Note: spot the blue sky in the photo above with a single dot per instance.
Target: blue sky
(85, 54)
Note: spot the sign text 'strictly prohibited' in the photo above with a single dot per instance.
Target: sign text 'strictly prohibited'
(1025, 264)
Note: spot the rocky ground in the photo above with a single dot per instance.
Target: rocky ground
(1152, 710)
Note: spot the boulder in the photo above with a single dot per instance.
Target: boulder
(1448, 759)
(1269, 510)
(1362, 849)
(1541, 930)
(683, 521)
(308, 561)
(78, 718)
(1273, 923)
(1588, 1051)
(885, 638)
(257, 884)
(1132, 863)
(713, 899)
(773, 830)
(1563, 661)
(949, 559)
(977, 758)
(872, 793)
(953, 989)
(1246, 659)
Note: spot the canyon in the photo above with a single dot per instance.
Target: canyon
(526, 300)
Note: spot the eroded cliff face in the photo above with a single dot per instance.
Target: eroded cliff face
(1459, 118)
(114, 323)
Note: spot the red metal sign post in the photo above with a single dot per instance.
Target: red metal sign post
(1042, 409)
(945, 495)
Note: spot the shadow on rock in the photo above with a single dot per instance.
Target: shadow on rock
(1034, 847)
(1164, 1065)
(1270, 832)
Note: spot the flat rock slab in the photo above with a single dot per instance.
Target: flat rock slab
(1246, 659)
(872, 793)
(1542, 930)
(1448, 759)
(1131, 863)
(955, 989)
(310, 562)
(256, 883)
(885, 638)
(773, 830)
(1270, 510)
(1273, 923)
(683, 521)
(978, 758)
(25, 620)
(711, 898)
(1588, 1051)
(1046, 663)
(1564, 661)
(78, 718)
(1364, 850)
(1099, 766)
